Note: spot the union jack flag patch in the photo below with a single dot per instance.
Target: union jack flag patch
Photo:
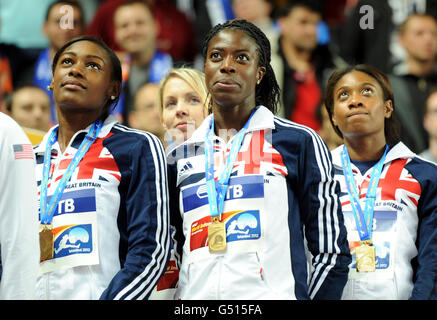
(23, 151)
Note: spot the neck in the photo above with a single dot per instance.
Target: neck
(420, 68)
(70, 124)
(231, 120)
(142, 58)
(298, 59)
(366, 148)
(433, 146)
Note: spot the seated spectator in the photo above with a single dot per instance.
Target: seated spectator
(305, 63)
(204, 15)
(135, 33)
(145, 114)
(430, 125)
(175, 34)
(370, 37)
(30, 107)
(259, 13)
(415, 76)
(58, 34)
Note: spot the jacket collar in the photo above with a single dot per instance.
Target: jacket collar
(109, 122)
(262, 119)
(398, 151)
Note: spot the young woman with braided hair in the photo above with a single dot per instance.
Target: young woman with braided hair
(248, 188)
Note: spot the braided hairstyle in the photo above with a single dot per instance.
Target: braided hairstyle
(267, 91)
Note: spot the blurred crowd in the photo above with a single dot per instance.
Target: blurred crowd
(309, 39)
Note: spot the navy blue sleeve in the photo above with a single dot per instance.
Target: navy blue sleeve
(311, 179)
(143, 218)
(425, 273)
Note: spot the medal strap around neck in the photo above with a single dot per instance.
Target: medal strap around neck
(363, 220)
(47, 211)
(217, 193)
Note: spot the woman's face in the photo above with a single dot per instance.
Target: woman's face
(359, 106)
(183, 107)
(231, 69)
(82, 78)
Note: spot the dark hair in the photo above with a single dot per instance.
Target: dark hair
(267, 91)
(312, 5)
(391, 125)
(116, 74)
(72, 3)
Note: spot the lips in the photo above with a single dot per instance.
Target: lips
(357, 113)
(73, 84)
(226, 83)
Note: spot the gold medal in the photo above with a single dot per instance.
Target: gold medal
(365, 256)
(216, 236)
(46, 243)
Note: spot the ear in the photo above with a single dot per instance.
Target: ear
(114, 89)
(388, 108)
(260, 74)
(51, 85)
(44, 28)
(334, 120)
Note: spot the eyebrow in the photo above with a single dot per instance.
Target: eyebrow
(88, 55)
(222, 49)
(361, 84)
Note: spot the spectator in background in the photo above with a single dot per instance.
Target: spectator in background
(175, 34)
(135, 33)
(415, 76)
(430, 125)
(145, 114)
(204, 15)
(18, 213)
(374, 42)
(259, 12)
(30, 107)
(305, 63)
(58, 33)
(183, 103)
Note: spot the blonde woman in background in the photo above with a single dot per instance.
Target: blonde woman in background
(183, 103)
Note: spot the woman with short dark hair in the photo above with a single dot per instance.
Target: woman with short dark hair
(249, 189)
(103, 191)
(388, 194)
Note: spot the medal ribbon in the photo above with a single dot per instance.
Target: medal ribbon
(363, 220)
(47, 211)
(217, 193)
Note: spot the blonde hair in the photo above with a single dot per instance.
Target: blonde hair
(194, 77)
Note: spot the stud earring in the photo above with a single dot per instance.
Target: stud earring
(112, 97)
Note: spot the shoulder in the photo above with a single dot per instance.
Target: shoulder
(291, 133)
(132, 138)
(10, 129)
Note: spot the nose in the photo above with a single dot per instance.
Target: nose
(76, 70)
(227, 65)
(355, 100)
(181, 109)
